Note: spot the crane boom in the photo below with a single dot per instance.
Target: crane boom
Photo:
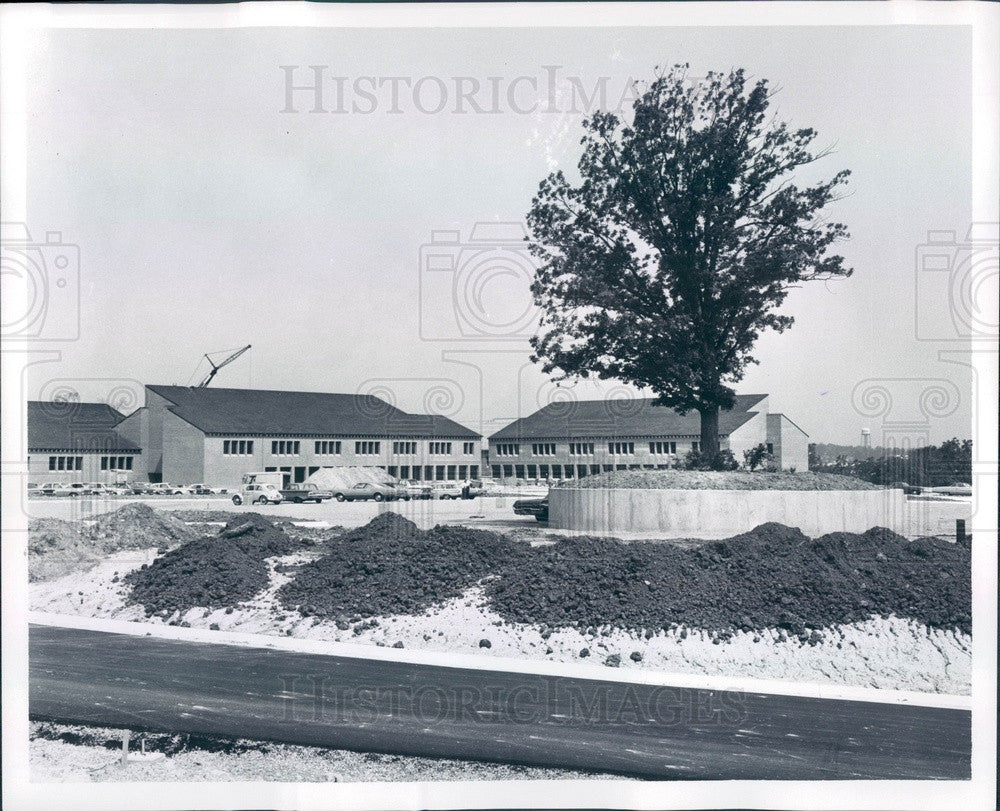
(216, 366)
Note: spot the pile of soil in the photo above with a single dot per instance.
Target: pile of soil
(771, 577)
(718, 480)
(212, 572)
(57, 547)
(390, 566)
(139, 526)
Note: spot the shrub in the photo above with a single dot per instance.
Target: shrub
(757, 457)
(723, 460)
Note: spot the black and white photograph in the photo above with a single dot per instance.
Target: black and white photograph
(512, 405)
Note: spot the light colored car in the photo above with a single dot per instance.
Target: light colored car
(366, 491)
(74, 489)
(415, 490)
(955, 489)
(258, 493)
(204, 490)
(167, 489)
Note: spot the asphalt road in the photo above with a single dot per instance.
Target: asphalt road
(645, 731)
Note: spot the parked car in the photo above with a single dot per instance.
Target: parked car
(538, 507)
(954, 489)
(167, 489)
(258, 493)
(908, 489)
(74, 489)
(140, 488)
(415, 490)
(363, 491)
(102, 489)
(307, 491)
(205, 490)
(48, 488)
(34, 489)
(466, 489)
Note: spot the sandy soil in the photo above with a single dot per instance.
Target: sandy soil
(881, 653)
(69, 753)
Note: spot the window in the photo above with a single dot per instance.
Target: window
(694, 446)
(508, 449)
(237, 447)
(66, 463)
(468, 448)
(367, 448)
(116, 463)
(327, 447)
(285, 447)
(405, 448)
(770, 448)
(621, 448)
(439, 448)
(543, 449)
(662, 447)
(474, 472)
(581, 448)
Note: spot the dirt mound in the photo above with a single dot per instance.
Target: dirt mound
(139, 526)
(56, 547)
(390, 566)
(207, 572)
(771, 577)
(211, 572)
(257, 535)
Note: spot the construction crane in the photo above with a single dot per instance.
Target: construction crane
(216, 366)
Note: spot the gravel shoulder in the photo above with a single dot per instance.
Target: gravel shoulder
(84, 754)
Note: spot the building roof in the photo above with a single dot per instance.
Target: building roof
(622, 418)
(74, 426)
(301, 413)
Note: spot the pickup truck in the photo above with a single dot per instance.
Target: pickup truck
(538, 507)
(307, 491)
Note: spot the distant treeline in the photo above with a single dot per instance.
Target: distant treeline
(930, 466)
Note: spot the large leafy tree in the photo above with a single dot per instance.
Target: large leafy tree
(665, 262)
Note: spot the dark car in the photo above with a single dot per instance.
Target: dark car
(306, 492)
(908, 489)
(538, 507)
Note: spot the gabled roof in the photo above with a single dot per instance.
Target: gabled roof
(301, 413)
(624, 418)
(74, 426)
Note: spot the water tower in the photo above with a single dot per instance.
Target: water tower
(866, 438)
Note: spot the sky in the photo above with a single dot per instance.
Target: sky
(209, 213)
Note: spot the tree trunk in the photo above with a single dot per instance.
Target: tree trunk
(709, 444)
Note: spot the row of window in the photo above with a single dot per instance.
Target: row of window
(438, 473)
(586, 448)
(116, 463)
(564, 471)
(65, 463)
(414, 472)
(237, 447)
(324, 447)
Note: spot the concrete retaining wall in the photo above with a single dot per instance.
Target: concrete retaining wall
(722, 513)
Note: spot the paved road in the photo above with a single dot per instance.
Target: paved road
(645, 731)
